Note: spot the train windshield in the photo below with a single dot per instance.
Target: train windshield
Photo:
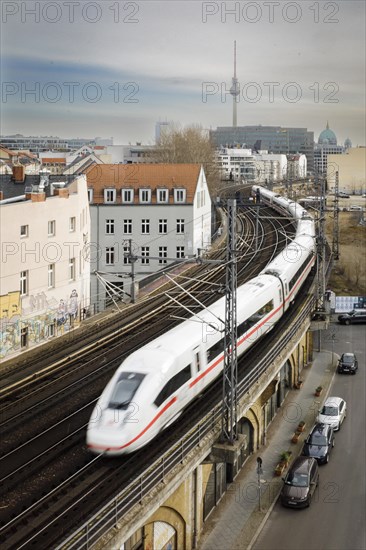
(124, 389)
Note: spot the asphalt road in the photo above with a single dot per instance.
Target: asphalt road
(336, 517)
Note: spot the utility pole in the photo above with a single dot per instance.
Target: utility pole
(335, 244)
(321, 246)
(230, 370)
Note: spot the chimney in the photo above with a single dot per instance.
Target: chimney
(36, 197)
(62, 193)
(18, 174)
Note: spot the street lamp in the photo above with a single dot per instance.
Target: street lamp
(259, 473)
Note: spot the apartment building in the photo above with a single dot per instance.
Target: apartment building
(163, 211)
(45, 273)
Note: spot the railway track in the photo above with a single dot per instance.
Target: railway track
(43, 461)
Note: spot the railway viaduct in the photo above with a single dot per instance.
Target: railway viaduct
(171, 514)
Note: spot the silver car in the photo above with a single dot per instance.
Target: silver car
(333, 412)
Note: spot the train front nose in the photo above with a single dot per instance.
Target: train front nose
(108, 434)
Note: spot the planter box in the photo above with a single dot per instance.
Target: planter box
(280, 468)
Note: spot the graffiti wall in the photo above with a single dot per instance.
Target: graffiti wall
(30, 320)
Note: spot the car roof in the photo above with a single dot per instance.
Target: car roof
(320, 427)
(333, 401)
(302, 464)
(348, 354)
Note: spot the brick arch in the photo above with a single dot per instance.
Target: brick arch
(246, 427)
(174, 519)
(253, 416)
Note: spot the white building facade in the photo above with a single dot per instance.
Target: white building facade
(162, 210)
(239, 164)
(45, 272)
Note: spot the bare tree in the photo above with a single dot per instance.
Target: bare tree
(357, 269)
(187, 145)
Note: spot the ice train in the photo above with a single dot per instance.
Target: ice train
(154, 384)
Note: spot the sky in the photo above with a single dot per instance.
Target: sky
(114, 68)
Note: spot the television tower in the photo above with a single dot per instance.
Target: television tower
(234, 90)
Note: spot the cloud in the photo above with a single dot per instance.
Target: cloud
(168, 51)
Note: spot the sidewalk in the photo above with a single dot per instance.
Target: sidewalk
(236, 522)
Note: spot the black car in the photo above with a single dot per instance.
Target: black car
(348, 363)
(319, 443)
(300, 483)
(353, 317)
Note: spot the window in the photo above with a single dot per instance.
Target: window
(163, 226)
(127, 195)
(72, 270)
(145, 195)
(23, 283)
(24, 337)
(51, 330)
(109, 255)
(179, 195)
(255, 318)
(180, 226)
(109, 195)
(72, 224)
(109, 227)
(163, 254)
(162, 195)
(51, 228)
(90, 194)
(127, 226)
(126, 253)
(51, 275)
(24, 230)
(124, 390)
(215, 350)
(145, 227)
(145, 253)
(180, 251)
(173, 385)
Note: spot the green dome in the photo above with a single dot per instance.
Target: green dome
(327, 137)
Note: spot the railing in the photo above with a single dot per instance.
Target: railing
(96, 527)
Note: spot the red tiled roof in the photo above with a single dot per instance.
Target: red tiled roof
(138, 176)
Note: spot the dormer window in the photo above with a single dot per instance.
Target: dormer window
(162, 195)
(109, 195)
(179, 195)
(127, 195)
(145, 195)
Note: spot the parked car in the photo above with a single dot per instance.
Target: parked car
(333, 412)
(300, 483)
(343, 195)
(348, 363)
(319, 443)
(355, 208)
(353, 317)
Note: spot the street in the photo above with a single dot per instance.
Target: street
(336, 517)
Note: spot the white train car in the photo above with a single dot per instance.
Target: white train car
(154, 384)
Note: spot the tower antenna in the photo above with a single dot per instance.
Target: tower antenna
(234, 90)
